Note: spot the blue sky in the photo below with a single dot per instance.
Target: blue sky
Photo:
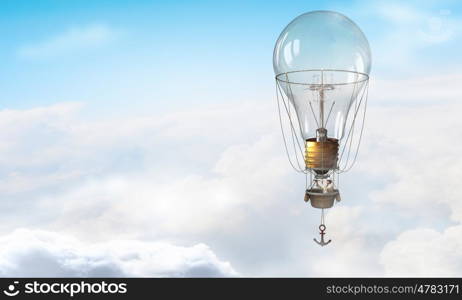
(130, 54)
(149, 130)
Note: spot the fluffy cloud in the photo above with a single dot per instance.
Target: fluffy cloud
(206, 176)
(422, 160)
(38, 253)
(144, 178)
(424, 252)
(105, 171)
(415, 91)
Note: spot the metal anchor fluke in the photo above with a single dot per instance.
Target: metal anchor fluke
(322, 243)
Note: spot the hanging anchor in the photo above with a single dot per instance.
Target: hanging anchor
(322, 243)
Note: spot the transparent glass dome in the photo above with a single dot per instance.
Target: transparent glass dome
(322, 40)
(322, 62)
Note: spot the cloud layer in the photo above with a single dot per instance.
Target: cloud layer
(200, 177)
(424, 252)
(35, 253)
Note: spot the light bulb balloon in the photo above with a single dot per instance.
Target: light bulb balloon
(322, 62)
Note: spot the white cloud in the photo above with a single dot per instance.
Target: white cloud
(416, 91)
(424, 252)
(71, 41)
(422, 159)
(207, 176)
(36, 253)
(185, 176)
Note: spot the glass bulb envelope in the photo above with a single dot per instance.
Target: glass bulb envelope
(322, 62)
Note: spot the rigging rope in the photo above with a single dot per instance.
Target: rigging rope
(361, 132)
(278, 95)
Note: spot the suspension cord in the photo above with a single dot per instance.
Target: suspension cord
(278, 91)
(361, 132)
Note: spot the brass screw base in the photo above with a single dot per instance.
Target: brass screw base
(321, 156)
